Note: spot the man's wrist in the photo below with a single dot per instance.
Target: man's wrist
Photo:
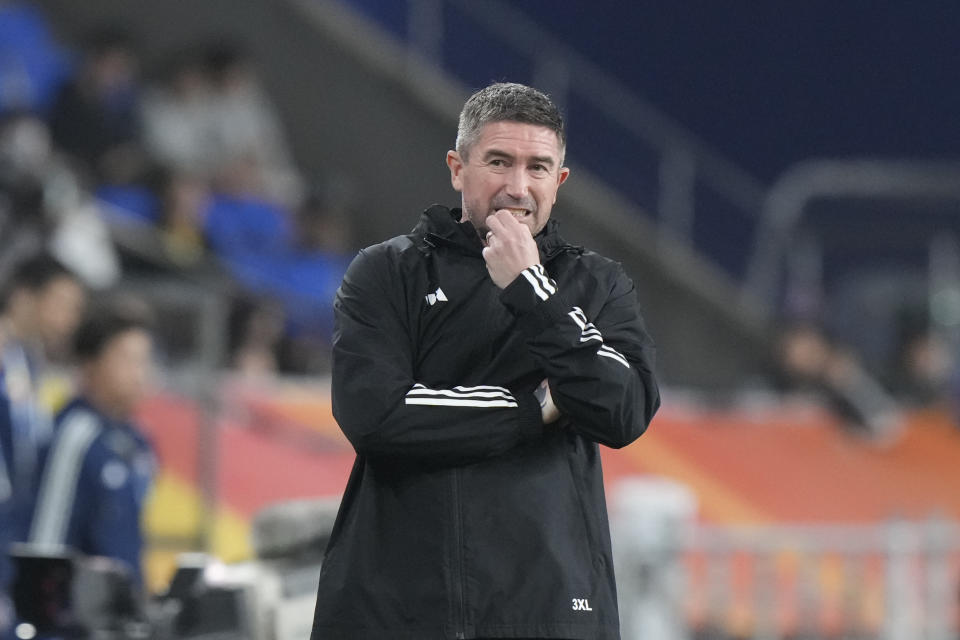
(542, 285)
(548, 410)
(540, 393)
(530, 288)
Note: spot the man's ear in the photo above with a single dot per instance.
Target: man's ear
(561, 178)
(456, 166)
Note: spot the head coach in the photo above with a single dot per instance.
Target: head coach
(477, 363)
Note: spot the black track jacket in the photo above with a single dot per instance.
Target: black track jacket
(465, 516)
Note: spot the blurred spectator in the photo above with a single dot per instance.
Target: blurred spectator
(324, 249)
(297, 266)
(247, 124)
(176, 118)
(40, 309)
(80, 236)
(44, 204)
(256, 331)
(185, 199)
(323, 224)
(33, 65)
(924, 366)
(42, 305)
(25, 159)
(96, 115)
(212, 117)
(802, 353)
(807, 361)
(97, 472)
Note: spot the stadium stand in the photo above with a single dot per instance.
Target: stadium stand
(751, 509)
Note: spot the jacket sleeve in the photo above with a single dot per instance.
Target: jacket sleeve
(67, 484)
(600, 370)
(377, 400)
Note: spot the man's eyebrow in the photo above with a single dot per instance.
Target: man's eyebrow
(547, 160)
(497, 153)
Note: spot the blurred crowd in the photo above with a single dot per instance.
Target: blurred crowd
(192, 155)
(918, 370)
(111, 176)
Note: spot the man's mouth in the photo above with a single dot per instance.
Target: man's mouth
(518, 213)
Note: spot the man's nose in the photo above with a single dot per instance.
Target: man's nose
(517, 182)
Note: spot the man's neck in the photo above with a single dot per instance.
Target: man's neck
(102, 404)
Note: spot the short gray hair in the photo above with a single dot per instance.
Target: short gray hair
(512, 102)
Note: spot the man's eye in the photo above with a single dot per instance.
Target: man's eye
(496, 163)
(538, 168)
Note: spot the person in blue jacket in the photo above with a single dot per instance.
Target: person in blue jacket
(40, 308)
(99, 467)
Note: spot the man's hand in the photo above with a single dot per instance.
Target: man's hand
(548, 410)
(509, 248)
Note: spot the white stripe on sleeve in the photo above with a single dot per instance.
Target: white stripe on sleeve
(542, 284)
(588, 332)
(537, 289)
(483, 396)
(545, 281)
(609, 352)
(58, 490)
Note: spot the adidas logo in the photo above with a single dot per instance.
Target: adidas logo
(436, 296)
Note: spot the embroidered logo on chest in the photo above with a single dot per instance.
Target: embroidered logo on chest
(436, 296)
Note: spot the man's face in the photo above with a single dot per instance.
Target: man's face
(59, 307)
(120, 377)
(511, 165)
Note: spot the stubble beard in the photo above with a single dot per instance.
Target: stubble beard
(481, 225)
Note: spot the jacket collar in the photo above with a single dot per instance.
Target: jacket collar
(106, 422)
(439, 225)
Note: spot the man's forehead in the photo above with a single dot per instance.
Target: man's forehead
(61, 283)
(511, 134)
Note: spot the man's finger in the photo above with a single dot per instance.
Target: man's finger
(495, 224)
(507, 219)
(504, 223)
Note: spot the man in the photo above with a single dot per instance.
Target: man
(99, 467)
(40, 310)
(95, 117)
(477, 362)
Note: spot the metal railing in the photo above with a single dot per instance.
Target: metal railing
(790, 197)
(893, 581)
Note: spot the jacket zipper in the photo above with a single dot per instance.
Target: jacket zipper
(458, 551)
